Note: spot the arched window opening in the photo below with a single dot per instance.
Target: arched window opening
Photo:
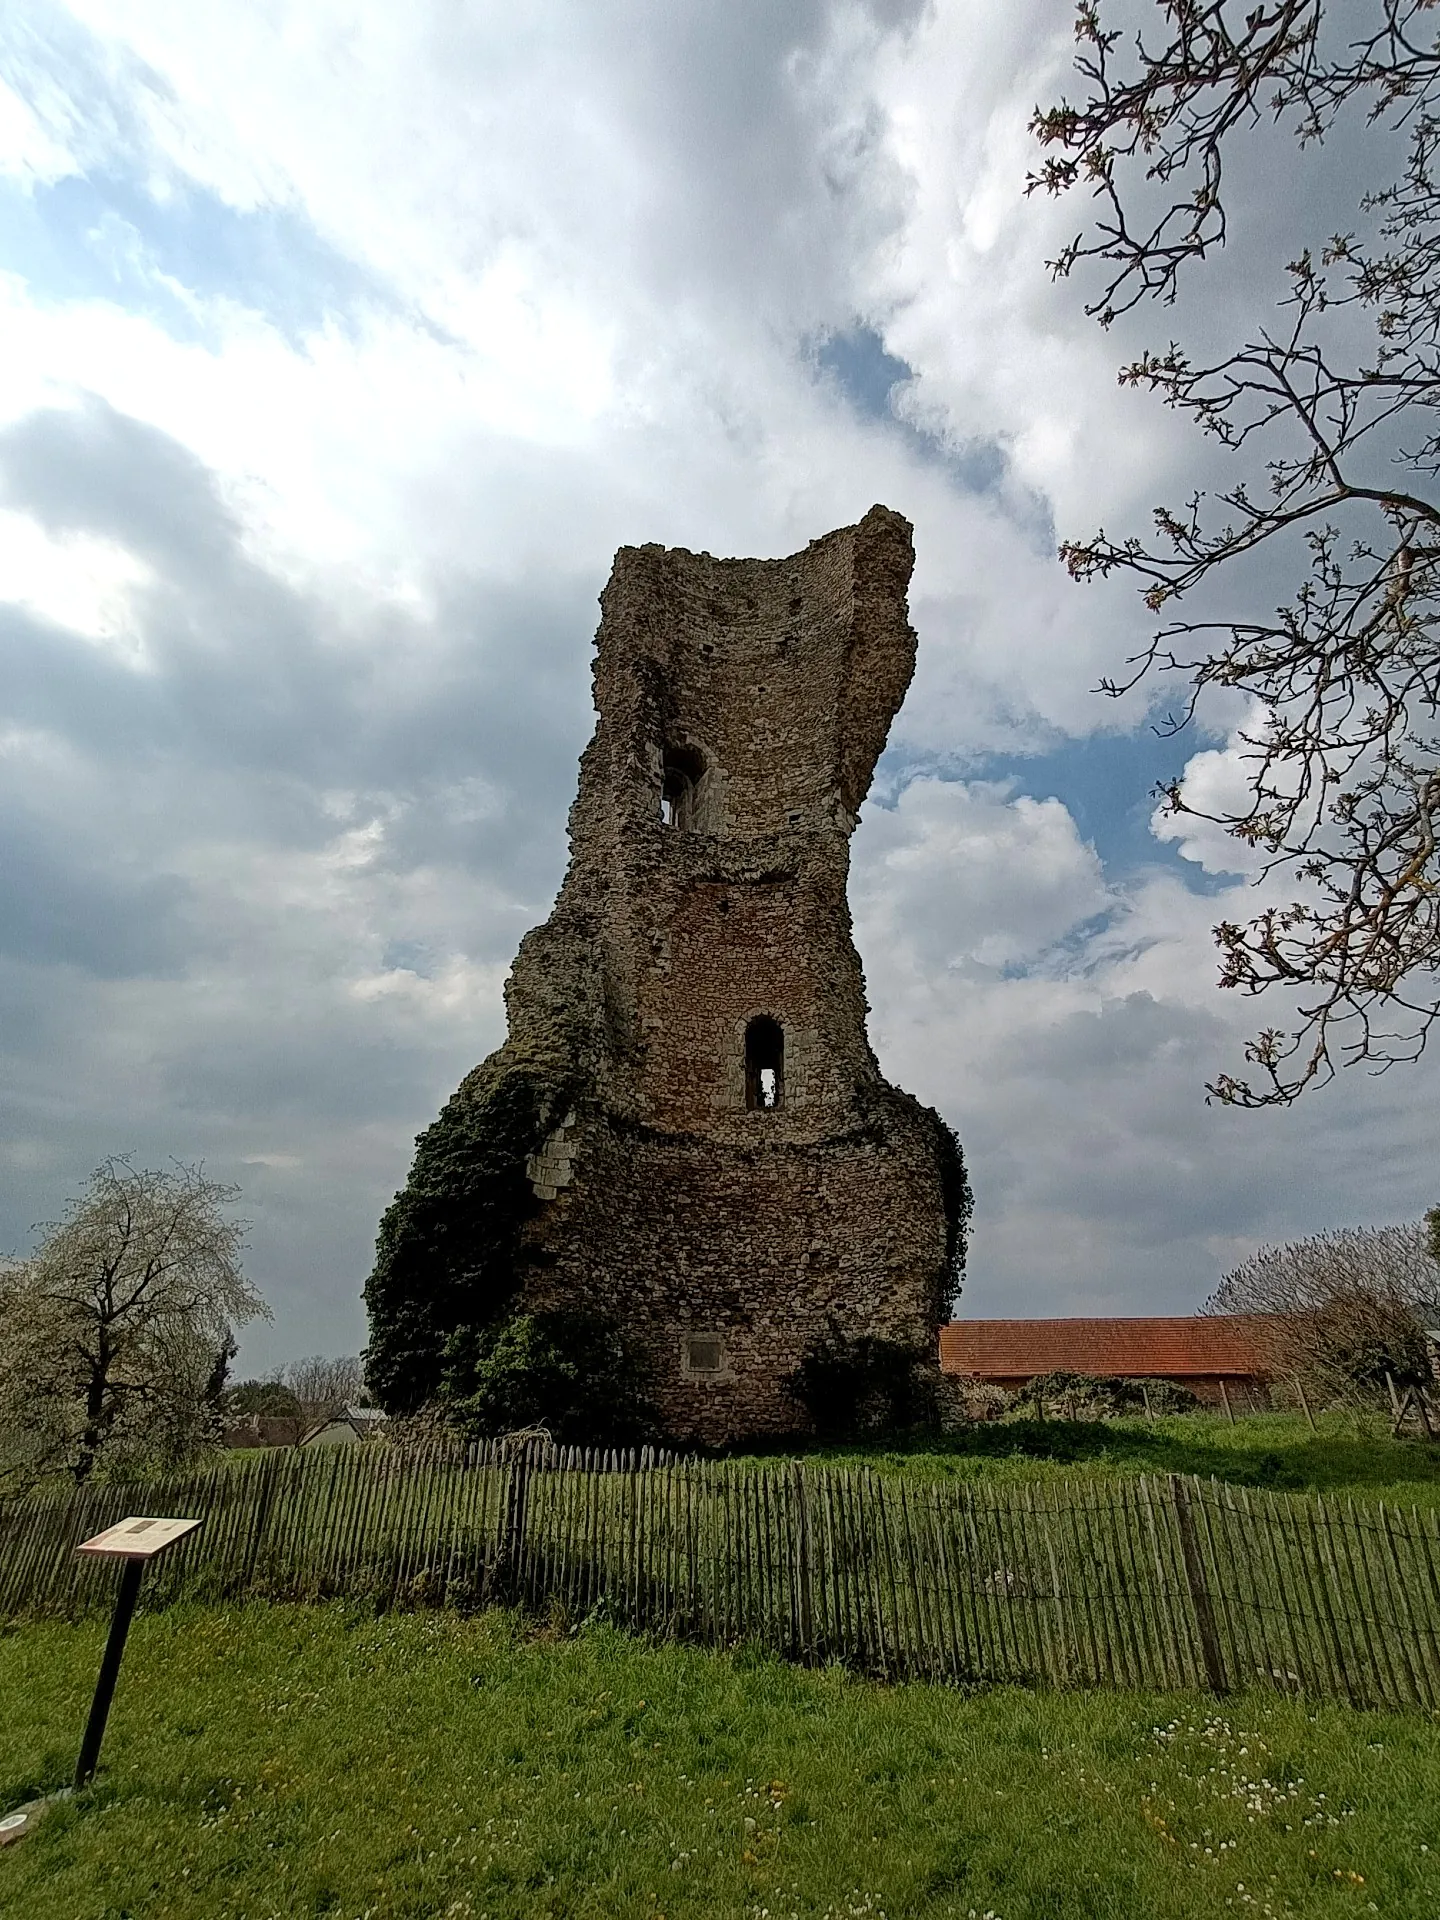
(682, 770)
(764, 1064)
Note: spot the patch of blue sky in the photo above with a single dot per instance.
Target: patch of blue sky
(105, 236)
(1107, 782)
(409, 956)
(867, 376)
(863, 370)
(1073, 956)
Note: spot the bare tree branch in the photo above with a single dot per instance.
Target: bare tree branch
(1343, 1309)
(324, 1389)
(1333, 420)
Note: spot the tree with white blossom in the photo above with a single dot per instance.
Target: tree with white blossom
(117, 1333)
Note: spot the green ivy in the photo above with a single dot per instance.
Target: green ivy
(958, 1201)
(447, 1256)
(568, 1372)
(859, 1386)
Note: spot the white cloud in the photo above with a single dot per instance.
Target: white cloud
(1215, 783)
(1104, 1182)
(79, 582)
(29, 152)
(423, 311)
(964, 289)
(960, 877)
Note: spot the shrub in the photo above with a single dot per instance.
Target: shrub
(856, 1386)
(428, 1433)
(1165, 1396)
(270, 1399)
(1071, 1396)
(567, 1372)
(1361, 1339)
(963, 1400)
(1086, 1396)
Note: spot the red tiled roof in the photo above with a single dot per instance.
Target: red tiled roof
(1171, 1349)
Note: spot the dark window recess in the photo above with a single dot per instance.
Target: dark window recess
(704, 1353)
(764, 1064)
(682, 770)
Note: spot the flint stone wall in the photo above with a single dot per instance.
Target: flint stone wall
(724, 1239)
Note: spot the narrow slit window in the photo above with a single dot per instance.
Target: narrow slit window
(764, 1064)
(682, 770)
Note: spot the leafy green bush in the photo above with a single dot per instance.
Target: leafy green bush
(963, 1400)
(447, 1255)
(265, 1398)
(1087, 1396)
(852, 1386)
(567, 1372)
(1165, 1396)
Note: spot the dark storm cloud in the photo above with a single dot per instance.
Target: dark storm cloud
(249, 676)
(232, 652)
(152, 836)
(90, 469)
(63, 908)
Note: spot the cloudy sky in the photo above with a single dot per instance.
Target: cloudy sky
(340, 346)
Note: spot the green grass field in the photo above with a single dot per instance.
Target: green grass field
(269, 1762)
(1349, 1454)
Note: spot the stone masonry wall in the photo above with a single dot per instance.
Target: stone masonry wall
(742, 705)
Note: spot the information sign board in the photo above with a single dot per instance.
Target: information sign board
(138, 1537)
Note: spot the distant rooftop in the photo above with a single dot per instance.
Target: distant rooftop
(1189, 1346)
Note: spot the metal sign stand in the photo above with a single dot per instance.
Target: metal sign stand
(135, 1541)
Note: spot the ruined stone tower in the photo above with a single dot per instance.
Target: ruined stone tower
(719, 1167)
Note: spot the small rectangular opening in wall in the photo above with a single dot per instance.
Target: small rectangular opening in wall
(704, 1353)
(764, 1064)
(682, 769)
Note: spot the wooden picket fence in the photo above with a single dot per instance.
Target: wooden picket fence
(1156, 1583)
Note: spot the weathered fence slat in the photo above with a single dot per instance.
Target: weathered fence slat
(1208, 1637)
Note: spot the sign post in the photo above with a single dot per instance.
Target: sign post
(134, 1541)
